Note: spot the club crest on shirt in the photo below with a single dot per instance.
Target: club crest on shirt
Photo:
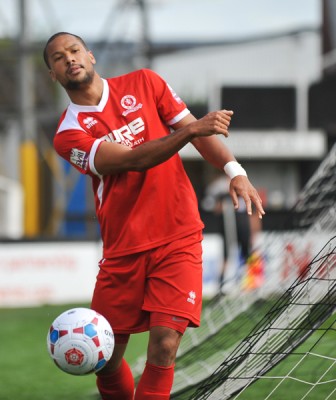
(130, 104)
(79, 158)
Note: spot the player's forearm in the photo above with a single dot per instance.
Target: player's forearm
(213, 150)
(155, 152)
(113, 158)
(202, 132)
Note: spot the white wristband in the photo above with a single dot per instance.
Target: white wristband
(233, 169)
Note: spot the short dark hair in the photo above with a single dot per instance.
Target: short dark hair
(54, 36)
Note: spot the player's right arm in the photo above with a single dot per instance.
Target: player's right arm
(113, 158)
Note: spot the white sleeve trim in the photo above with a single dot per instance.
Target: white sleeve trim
(92, 156)
(178, 117)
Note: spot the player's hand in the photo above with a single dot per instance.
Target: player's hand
(214, 123)
(241, 186)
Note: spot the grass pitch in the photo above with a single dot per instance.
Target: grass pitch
(27, 372)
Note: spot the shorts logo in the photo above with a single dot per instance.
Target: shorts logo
(192, 297)
(79, 158)
(89, 122)
(129, 103)
(177, 319)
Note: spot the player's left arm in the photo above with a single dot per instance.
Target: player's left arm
(219, 155)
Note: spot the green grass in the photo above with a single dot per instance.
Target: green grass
(308, 371)
(302, 372)
(27, 372)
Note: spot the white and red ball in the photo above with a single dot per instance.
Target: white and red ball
(80, 341)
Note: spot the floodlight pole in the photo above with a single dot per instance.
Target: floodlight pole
(146, 42)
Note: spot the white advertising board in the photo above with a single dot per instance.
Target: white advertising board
(65, 272)
(47, 273)
(212, 263)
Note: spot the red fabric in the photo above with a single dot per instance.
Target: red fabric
(135, 108)
(167, 279)
(179, 324)
(118, 385)
(155, 383)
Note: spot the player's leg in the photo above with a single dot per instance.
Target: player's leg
(244, 234)
(173, 297)
(157, 378)
(114, 299)
(115, 381)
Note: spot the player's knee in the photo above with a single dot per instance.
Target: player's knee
(163, 347)
(162, 353)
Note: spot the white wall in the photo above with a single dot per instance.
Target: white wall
(282, 60)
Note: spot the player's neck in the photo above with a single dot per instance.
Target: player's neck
(88, 95)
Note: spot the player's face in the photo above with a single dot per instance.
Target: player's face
(71, 64)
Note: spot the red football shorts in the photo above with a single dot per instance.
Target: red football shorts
(167, 279)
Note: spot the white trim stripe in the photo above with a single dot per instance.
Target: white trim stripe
(98, 108)
(70, 121)
(100, 190)
(93, 152)
(178, 117)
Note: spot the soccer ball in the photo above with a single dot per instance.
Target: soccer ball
(80, 341)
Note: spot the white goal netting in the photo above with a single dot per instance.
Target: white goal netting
(247, 333)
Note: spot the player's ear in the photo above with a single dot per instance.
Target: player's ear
(52, 75)
(92, 57)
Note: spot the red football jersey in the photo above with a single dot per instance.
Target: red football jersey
(137, 211)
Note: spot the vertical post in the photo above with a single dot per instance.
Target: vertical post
(146, 42)
(29, 153)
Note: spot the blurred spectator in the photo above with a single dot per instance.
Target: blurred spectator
(235, 226)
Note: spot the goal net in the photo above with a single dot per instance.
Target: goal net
(299, 312)
(249, 332)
